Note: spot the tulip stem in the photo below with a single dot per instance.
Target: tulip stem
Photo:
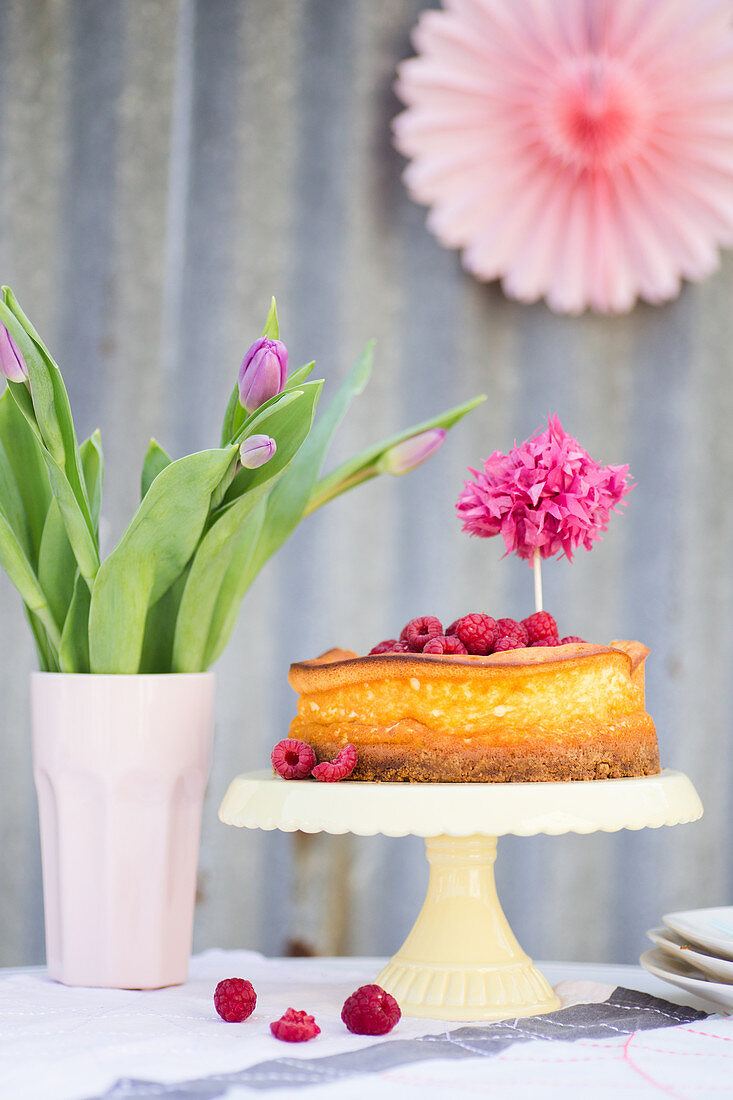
(327, 489)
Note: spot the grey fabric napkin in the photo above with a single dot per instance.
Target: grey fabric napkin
(624, 1012)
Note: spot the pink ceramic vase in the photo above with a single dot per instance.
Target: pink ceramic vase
(120, 765)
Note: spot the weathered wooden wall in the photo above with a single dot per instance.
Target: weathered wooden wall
(164, 167)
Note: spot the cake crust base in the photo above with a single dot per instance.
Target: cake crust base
(463, 762)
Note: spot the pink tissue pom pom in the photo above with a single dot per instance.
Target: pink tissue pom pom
(547, 494)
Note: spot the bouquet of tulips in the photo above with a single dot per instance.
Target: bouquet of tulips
(167, 597)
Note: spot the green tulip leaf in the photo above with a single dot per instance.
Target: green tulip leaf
(154, 463)
(40, 478)
(20, 571)
(92, 465)
(74, 654)
(231, 417)
(23, 465)
(151, 554)
(299, 376)
(231, 539)
(234, 584)
(251, 425)
(48, 660)
(271, 331)
(83, 539)
(11, 503)
(56, 565)
(160, 628)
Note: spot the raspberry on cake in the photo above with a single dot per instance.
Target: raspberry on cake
(541, 629)
(419, 631)
(443, 644)
(512, 631)
(477, 632)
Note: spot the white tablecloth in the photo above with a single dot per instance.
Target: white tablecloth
(59, 1043)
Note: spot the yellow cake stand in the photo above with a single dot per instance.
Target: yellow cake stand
(461, 961)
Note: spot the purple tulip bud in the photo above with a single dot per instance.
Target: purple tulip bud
(256, 451)
(405, 456)
(262, 373)
(12, 363)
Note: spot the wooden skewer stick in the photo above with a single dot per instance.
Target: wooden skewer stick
(536, 564)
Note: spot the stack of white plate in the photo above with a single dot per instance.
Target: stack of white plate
(695, 952)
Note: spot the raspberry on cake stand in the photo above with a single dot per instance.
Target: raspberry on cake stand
(461, 961)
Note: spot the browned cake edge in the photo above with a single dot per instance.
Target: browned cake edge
(341, 667)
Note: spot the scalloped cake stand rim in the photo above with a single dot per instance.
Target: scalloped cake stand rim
(259, 800)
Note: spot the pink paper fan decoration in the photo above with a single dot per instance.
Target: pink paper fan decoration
(547, 494)
(578, 150)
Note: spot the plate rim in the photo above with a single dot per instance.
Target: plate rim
(721, 947)
(698, 987)
(689, 951)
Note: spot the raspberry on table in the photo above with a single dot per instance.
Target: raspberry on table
(293, 759)
(295, 1026)
(384, 647)
(540, 628)
(571, 638)
(443, 644)
(342, 765)
(477, 632)
(370, 1011)
(421, 630)
(235, 999)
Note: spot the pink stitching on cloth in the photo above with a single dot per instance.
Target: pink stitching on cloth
(637, 1069)
(686, 1053)
(707, 1035)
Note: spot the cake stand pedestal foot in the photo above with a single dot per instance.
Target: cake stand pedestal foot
(461, 960)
